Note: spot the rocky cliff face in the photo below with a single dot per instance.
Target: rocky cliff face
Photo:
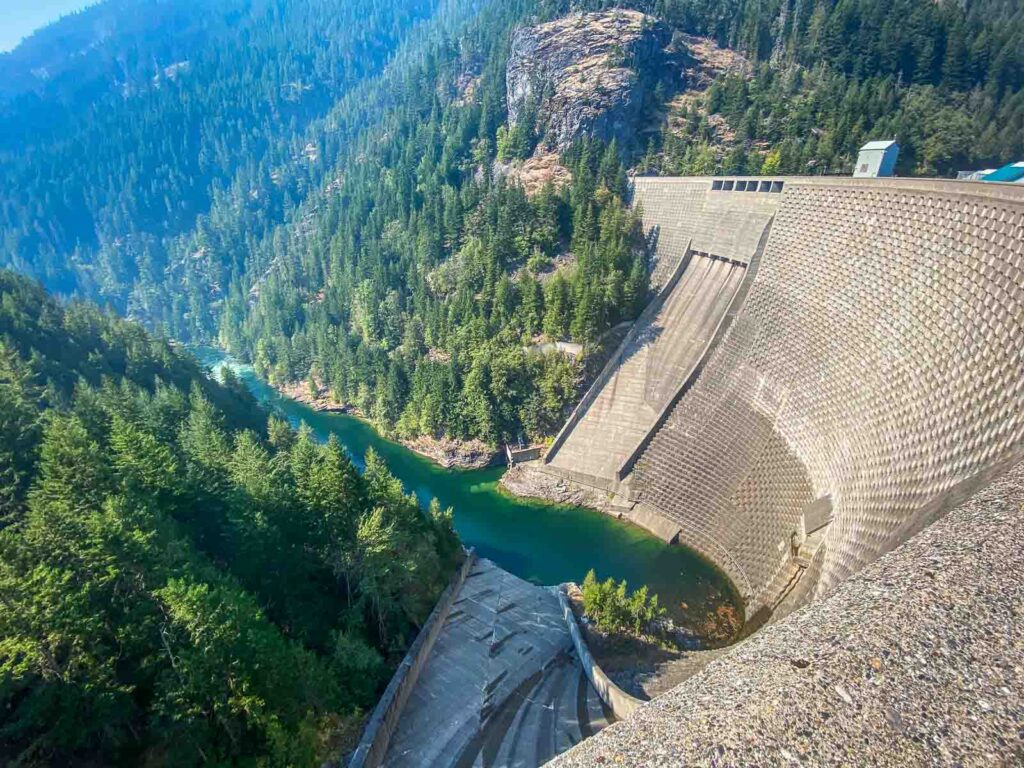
(584, 74)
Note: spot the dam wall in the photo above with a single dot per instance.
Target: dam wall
(876, 364)
(682, 214)
(878, 360)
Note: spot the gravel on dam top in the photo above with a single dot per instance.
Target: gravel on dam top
(918, 659)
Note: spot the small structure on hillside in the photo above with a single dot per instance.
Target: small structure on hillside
(876, 158)
(521, 453)
(567, 348)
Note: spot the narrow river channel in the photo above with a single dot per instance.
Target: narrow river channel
(543, 543)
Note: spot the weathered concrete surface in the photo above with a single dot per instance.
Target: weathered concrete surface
(502, 686)
(652, 361)
(878, 360)
(916, 660)
(878, 357)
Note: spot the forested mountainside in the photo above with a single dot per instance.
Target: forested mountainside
(121, 126)
(942, 78)
(183, 582)
(389, 233)
(389, 201)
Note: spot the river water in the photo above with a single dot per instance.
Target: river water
(541, 542)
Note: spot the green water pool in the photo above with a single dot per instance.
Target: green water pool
(541, 542)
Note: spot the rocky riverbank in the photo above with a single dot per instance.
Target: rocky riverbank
(458, 454)
(446, 452)
(323, 400)
(527, 481)
(646, 666)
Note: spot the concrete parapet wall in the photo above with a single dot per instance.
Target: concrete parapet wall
(878, 357)
(617, 700)
(382, 723)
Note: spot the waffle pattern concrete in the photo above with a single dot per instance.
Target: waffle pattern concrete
(653, 359)
(502, 685)
(878, 357)
(719, 469)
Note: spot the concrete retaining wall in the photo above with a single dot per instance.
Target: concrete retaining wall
(617, 700)
(878, 357)
(382, 723)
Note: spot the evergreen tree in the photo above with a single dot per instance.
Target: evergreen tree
(177, 587)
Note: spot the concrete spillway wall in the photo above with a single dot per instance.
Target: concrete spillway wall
(877, 361)
(663, 347)
(679, 214)
(703, 260)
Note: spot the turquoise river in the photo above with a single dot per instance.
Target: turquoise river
(544, 543)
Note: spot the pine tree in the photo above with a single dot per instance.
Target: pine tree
(20, 429)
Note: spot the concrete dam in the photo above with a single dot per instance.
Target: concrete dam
(828, 366)
(825, 398)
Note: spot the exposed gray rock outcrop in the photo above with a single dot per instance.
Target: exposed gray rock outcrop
(460, 454)
(527, 481)
(586, 74)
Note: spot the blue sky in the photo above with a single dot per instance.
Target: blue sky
(20, 18)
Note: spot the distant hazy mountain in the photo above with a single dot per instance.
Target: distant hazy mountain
(119, 125)
(356, 192)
